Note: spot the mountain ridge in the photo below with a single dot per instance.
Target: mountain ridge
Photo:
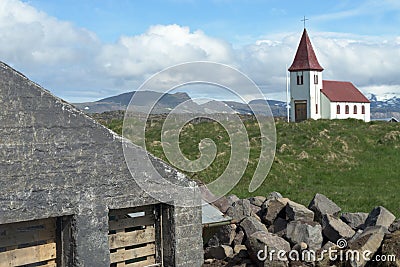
(380, 108)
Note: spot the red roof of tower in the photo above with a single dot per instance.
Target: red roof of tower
(337, 91)
(305, 58)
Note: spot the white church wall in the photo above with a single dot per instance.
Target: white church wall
(367, 116)
(308, 91)
(343, 115)
(315, 95)
(325, 107)
(298, 92)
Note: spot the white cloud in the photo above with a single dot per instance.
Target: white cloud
(54, 53)
(383, 92)
(74, 64)
(30, 36)
(161, 46)
(365, 62)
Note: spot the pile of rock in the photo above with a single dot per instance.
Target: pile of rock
(275, 231)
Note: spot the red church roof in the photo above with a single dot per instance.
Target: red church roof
(337, 91)
(305, 58)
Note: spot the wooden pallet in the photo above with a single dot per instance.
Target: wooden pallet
(28, 243)
(132, 237)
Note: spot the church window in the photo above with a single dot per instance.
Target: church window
(347, 109)
(300, 78)
(337, 109)
(363, 109)
(316, 108)
(315, 78)
(355, 109)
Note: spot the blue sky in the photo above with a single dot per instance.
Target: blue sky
(236, 21)
(85, 50)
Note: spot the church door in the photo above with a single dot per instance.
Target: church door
(300, 111)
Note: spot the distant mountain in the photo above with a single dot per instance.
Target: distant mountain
(278, 108)
(384, 106)
(381, 107)
(168, 102)
(142, 99)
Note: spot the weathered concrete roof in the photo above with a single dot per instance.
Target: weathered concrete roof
(55, 160)
(213, 216)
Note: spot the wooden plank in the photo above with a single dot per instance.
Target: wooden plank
(124, 255)
(150, 261)
(131, 238)
(53, 261)
(28, 255)
(122, 212)
(120, 263)
(16, 238)
(131, 222)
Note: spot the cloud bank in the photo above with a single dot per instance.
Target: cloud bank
(75, 64)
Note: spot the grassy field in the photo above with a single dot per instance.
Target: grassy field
(356, 164)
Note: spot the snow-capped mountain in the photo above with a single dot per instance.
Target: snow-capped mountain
(385, 101)
(385, 106)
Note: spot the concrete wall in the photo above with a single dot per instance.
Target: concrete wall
(55, 161)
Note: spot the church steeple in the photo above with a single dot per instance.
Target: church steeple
(305, 58)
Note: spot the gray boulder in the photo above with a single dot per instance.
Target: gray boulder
(371, 240)
(238, 240)
(239, 210)
(335, 229)
(226, 234)
(328, 245)
(274, 195)
(266, 242)
(250, 225)
(296, 211)
(223, 203)
(395, 226)
(299, 264)
(232, 198)
(257, 201)
(321, 205)
(391, 246)
(218, 252)
(239, 248)
(300, 247)
(255, 211)
(307, 232)
(279, 227)
(272, 208)
(356, 235)
(379, 216)
(354, 220)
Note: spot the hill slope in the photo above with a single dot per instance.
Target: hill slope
(356, 164)
(121, 102)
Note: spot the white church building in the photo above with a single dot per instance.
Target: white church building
(312, 97)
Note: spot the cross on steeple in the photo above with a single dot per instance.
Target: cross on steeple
(304, 21)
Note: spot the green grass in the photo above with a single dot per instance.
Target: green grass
(355, 164)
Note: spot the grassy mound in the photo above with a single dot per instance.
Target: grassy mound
(355, 164)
